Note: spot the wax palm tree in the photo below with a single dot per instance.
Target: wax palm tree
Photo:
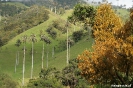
(52, 2)
(47, 41)
(24, 38)
(42, 39)
(47, 54)
(17, 44)
(67, 61)
(55, 7)
(33, 40)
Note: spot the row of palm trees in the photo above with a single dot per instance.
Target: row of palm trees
(45, 40)
(33, 39)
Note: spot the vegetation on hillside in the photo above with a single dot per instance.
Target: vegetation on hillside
(7, 9)
(6, 81)
(53, 3)
(21, 22)
(69, 76)
(40, 38)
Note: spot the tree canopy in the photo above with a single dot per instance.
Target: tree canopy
(83, 13)
(111, 60)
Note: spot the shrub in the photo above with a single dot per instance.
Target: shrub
(63, 44)
(6, 81)
(45, 39)
(71, 76)
(60, 25)
(49, 29)
(52, 78)
(52, 32)
(44, 83)
(77, 35)
(47, 79)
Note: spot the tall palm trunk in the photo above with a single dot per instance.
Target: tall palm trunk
(32, 62)
(18, 58)
(16, 63)
(53, 52)
(32, 39)
(51, 9)
(55, 9)
(47, 55)
(23, 66)
(42, 55)
(67, 49)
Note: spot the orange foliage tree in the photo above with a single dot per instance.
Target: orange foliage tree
(111, 60)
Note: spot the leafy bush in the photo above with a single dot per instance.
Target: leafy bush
(52, 78)
(62, 45)
(48, 79)
(52, 32)
(44, 83)
(6, 81)
(77, 35)
(45, 39)
(60, 25)
(71, 76)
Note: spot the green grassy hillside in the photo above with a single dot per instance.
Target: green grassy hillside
(8, 51)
